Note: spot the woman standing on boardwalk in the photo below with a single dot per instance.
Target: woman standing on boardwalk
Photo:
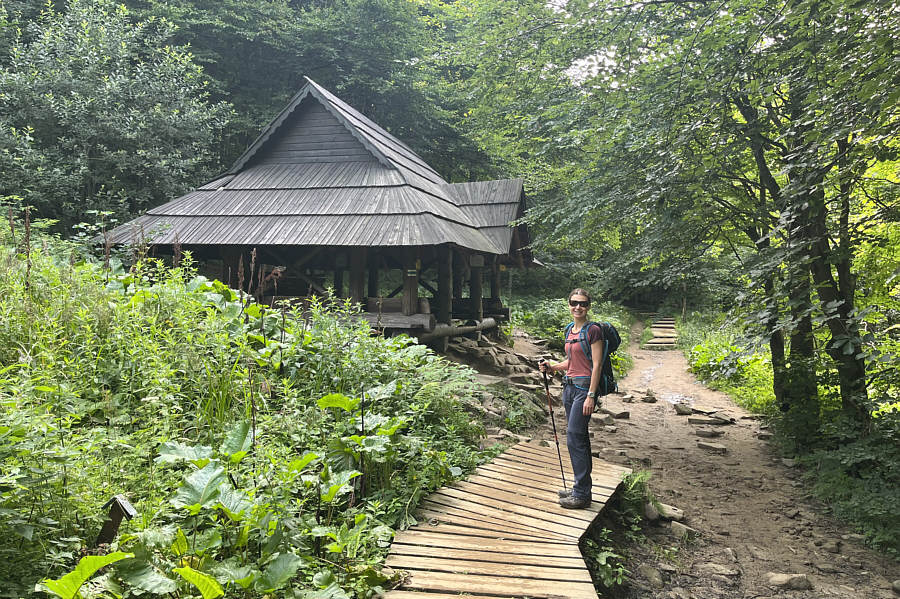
(581, 379)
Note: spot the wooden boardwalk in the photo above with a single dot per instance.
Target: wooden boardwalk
(501, 533)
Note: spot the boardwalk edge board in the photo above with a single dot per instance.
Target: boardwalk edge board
(501, 534)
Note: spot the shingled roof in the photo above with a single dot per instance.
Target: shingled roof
(322, 174)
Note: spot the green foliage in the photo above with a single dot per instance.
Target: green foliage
(604, 561)
(859, 477)
(714, 356)
(267, 451)
(98, 112)
(68, 586)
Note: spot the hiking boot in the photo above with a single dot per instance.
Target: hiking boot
(574, 503)
(564, 493)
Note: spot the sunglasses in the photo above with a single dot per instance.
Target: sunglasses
(583, 304)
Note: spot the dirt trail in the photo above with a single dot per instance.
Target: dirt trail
(752, 513)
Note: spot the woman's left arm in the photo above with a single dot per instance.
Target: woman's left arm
(597, 359)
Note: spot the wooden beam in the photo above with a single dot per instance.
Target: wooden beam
(428, 286)
(374, 264)
(476, 263)
(459, 273)
(410, 303)
(495, 278)
(357, 274)
(312, 283)
(445, 284)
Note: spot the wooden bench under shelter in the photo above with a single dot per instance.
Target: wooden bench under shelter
(333, 200)
(501, 533)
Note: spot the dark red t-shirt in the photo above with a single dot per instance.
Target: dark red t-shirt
(579, 365)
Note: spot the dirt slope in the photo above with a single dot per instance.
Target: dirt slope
(751, 512)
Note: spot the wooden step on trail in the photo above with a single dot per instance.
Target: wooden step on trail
(665, 336)
(501, 533)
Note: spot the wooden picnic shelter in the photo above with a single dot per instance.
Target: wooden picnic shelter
(329, 198)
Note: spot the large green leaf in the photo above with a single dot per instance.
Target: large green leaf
(201, 488)
(235, 503)
(142, 575)
(338, 484)
(298, 464)
(278, 572)
(238, 442)
(67, 586)
(231, 571)
(173, 451)
(337, 400)
(206, 584)
(180, 544)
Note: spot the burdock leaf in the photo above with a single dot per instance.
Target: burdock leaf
(205, 583)
(278, 572)
(234, 503)
(173, 451)
(200, 488)
(67, 586)
(338, 400)
(180, 545)
(238, 442)
(298, 464)
(339, 484)
(141, 574)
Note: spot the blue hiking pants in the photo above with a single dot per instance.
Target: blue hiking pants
(577, 440)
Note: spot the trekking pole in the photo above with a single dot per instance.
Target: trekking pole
(555, 436)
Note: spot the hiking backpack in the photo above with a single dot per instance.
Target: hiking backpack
(611, 342)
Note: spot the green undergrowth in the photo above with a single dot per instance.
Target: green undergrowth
(547, 319)
(266, 452)
(606, 545)
(855, 472)
(715, 355)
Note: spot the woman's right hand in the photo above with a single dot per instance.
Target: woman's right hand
(544, 366)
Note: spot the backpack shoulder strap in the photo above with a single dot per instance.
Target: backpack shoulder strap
(583, 338)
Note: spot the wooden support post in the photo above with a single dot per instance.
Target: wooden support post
(338, 282)
(231, 258)
(476, 264)
(495, 278)
(444, 284)
(459, 268)
(410, 301)
(357, 274)
(374, 264)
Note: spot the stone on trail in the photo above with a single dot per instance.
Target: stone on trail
(683, 409)
(832, 546)
(708, 433)
(764, 436)
(683, 531)
(652, 575)
(796, 582)
(718, 569)
(713, 447)
(617, 414)
(789, 462)
(651, 514)
(715, 420)
(606, 420)
(670, 512)
(610, 429)
(649, 398)
(896, 586)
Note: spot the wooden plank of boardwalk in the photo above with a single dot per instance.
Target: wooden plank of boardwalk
(501, 534)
